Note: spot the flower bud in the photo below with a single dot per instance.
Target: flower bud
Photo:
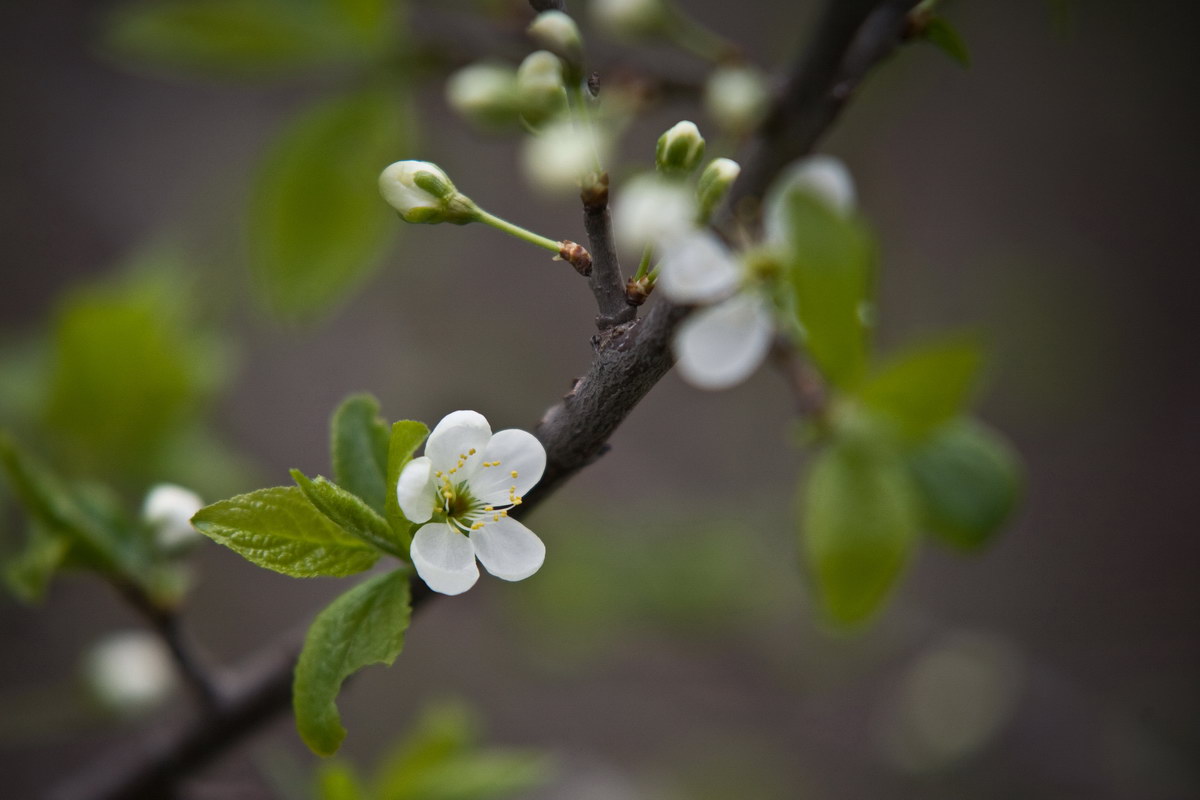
(129, 672)
(629, 18)
(485, 94)
(559, 158)
(822, 177)
(714, 183)
(558, 33)
(540, 92)
(680, 149)
(736, 98)
(422, 192)
(168, 510)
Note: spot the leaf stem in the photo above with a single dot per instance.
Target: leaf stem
(519, 232)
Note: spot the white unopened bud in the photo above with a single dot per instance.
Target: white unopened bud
(629, 18)
(679, 149)
(558, 33)
(560, 157)
(168, 510)
(540, 92)
(651, 211)
(421, 192)
(823, 178)
(129, 672)
(736, 98)
(485, 94)
(714, 183)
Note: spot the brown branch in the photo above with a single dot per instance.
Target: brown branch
(605, 280)
(629, 358)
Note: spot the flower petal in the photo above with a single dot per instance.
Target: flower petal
(698, 268)
(511, 451)
(453, 440)
(444, 558)
(721, 346)
(651, 210)
(508, 549)
(415, 491)
(822, 176)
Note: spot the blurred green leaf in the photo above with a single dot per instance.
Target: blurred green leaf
(247, 38)
(338, 781)
(360, 449)
(364, 626)
(278, 528)
(407, 436)
(27, 574)
(830, 266)
(317, 223)
(443, 731)
(859, 524)
(126, 377)
(926, 385)
(945, 37)
(970, 481)
(349, 512)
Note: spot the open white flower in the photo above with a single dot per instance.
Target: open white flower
(464, 487)
(652, 211)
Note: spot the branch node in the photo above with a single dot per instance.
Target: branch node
(577, 256)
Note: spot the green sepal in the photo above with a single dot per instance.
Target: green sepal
(945, 37)
(970, 481)
(406, 437)
(349, 512)
(860, 520)
(279, 529)
(925, 386)
(359, 445)
(364, 626)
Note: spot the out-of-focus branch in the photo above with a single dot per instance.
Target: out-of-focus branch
(629, 359)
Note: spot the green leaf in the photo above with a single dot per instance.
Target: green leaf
(245, 38)
(925, 386)
(349, 512)
(942, 35)
(407, 436)
(970, 481)
(360, 449)
(364, 626)
(278, 528)
(859, 525)
(339, 782)
(27, 574)
(831, 266)
(476, 776)
(317, 223)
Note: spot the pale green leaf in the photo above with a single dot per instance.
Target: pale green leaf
(970, 481)
(349, 512)
(359, 443)
(339, 781)
(945, 37)
(317, 223)
(364, 626)
(278, 528)
(925, 386)
(830, 260)
(407, 436)
(27, 573)
(859, 525)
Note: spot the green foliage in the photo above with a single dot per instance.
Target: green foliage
(945, 37)
(364, 626)
(925, 386)
(859, 523)
(359, 441)
(406, 437)
(247, 38)
(339, 782)
(349, 512)
(970, 482)
(27, 574)
(317, 225)
(830, 268)
(278, 528)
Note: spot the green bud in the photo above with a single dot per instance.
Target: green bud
(736, 98)
(679, 149)
(714, 183)
(541, 95)
(485, 94)
(630, 18)
(558, 33)
(422, 193)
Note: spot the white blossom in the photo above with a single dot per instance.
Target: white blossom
(463, 489)
(168, 510)
(822, 177)
(557, 159)
(129, 672)
(736, 97)
(652, 211)
(698, 268)
(630, 18)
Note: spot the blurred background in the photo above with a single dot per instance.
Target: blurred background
(668, 649)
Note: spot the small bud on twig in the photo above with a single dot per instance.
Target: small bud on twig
(577, 256)
(422, 193)
(680, 149)
(558, 33)
(638, 289)
(714, 183)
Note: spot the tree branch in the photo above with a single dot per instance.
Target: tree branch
(606, 281)
(629, 358)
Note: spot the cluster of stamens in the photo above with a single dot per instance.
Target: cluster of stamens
(459, 507)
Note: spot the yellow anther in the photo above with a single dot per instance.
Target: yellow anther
(489, 508)
(447, 494)
(495, 518)
(504, 513)
(477, 526)
(514, 473)
(471, 452)
(437, 474)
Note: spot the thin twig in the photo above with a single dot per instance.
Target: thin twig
(606, 281)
